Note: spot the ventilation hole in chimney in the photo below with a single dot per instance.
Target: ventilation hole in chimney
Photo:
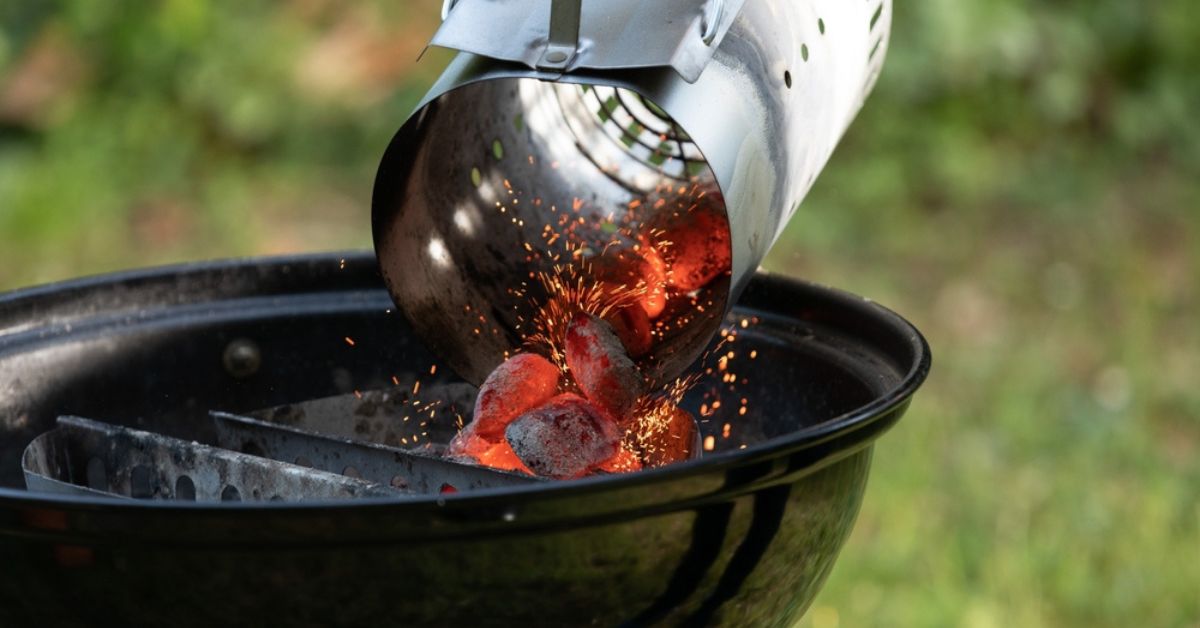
(185, 489)
(141, 482)
(97, 475)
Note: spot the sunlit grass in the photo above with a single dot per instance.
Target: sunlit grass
(1047, 474)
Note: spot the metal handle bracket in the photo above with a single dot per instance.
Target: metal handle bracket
(559, 37)
(563, 43)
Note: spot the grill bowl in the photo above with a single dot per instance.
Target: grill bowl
(738, 537)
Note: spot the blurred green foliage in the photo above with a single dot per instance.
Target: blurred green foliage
(1023, 185)
(179, 129)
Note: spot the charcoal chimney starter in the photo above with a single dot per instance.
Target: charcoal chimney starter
(595, 111)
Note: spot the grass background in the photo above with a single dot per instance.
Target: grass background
(1024, 185)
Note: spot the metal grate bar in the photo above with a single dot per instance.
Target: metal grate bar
(85, 457)
(402, 469)
(395, 417)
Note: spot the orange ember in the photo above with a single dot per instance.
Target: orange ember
(497, 455)
(641, 272)
(624, 461)
(666, 434)
(519, 384)
(694, 242)
(632, 326)
(600, 365)
(567, 438)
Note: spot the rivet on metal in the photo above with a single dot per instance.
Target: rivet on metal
(563, 37)
(242, 358)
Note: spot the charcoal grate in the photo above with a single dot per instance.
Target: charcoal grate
(85, 457)
(341, 447)
(402, 469)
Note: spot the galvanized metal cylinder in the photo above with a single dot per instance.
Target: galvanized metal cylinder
(503, 142)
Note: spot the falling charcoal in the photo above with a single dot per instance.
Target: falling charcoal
(668, 436)
(632, 326)
(469, 447)
(655, 273)
(694, 242)
(624, 461)
(643, 274)
(467, 444)
(522, 382)
(564, 439)
(599, 364)
(501, 456)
